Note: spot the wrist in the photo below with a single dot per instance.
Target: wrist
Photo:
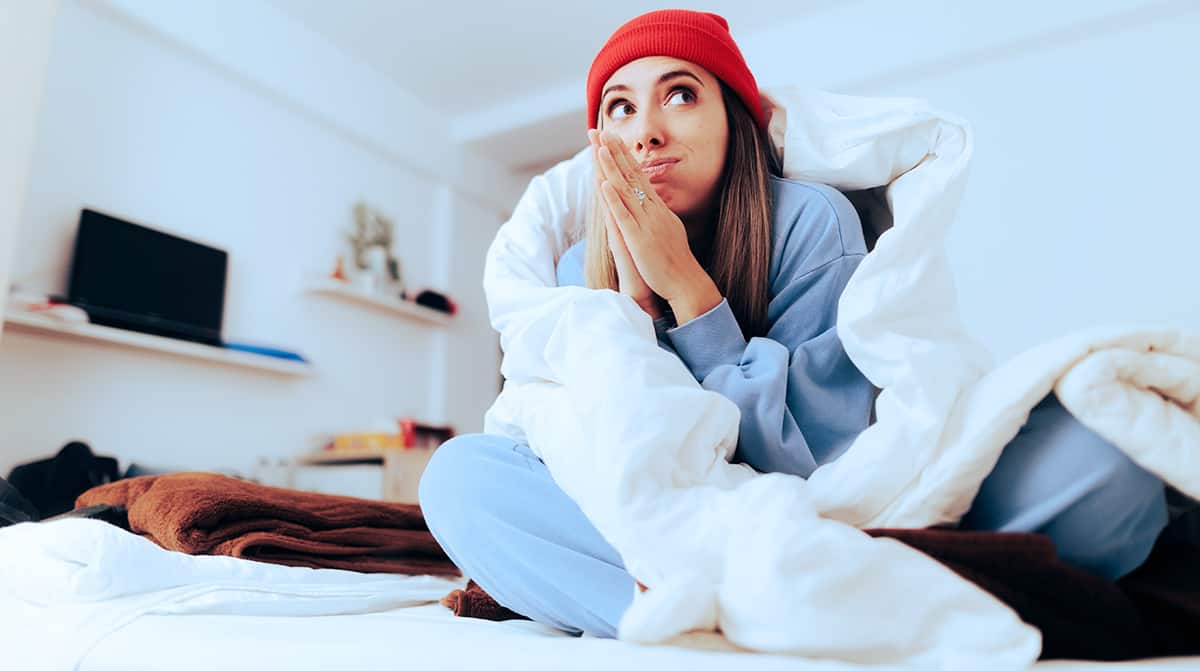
(698, 299)
(651, 306)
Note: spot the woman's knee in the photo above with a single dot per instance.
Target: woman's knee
(1118, 477)
(1136, 497)
(1112, 528)
(450, 480)
(1093, 458)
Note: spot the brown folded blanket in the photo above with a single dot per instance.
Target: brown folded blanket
(474, 602)
(1155, 611)
(205, 513)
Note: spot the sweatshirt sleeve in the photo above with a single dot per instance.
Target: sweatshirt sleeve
(802, 400)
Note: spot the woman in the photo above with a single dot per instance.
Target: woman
(741, 271)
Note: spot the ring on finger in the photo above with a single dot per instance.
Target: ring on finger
(641, 196)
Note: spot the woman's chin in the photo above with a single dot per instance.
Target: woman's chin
(669, 196)
(677, 203)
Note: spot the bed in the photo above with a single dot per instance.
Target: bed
(83, 594)
(424, 638)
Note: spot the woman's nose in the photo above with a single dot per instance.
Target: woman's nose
(650, 133)
(649, 142)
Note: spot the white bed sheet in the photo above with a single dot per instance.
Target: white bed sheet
(417, 638)
(427, 638)
(84, 595)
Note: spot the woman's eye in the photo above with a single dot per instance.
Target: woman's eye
(684, 96)
(620, 109)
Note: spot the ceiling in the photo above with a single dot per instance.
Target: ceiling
(509, 74)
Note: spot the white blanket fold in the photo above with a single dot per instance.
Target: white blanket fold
(775, 562)
(67, 584)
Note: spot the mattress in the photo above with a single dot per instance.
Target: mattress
(413, 638)
(425, 638)
(84, 595)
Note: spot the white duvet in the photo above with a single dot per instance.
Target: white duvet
(777, 563)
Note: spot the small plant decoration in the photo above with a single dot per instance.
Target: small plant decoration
(371, 230)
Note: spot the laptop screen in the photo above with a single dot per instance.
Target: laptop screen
(138, 276)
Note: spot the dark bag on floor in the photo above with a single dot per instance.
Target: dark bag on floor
(53, 484)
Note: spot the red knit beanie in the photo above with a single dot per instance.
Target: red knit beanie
(699, 37)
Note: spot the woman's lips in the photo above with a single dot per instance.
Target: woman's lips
(657, 170)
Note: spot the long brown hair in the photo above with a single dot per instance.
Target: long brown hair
(738, 255)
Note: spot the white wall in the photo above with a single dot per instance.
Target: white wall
(25, 30)
(1078, 210)
(143, 123)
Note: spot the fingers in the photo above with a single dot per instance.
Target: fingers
(628, 168)
(622, 219)
(594, 145)
(594, 141)
(627, 272)
(616, 244)
(629, 277)
(613, 208)
(618, 210)
(614, 163)
(606, 168)
(623, 187)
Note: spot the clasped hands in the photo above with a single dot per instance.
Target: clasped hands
(649, 242)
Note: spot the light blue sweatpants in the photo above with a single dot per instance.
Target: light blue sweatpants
(494, 508)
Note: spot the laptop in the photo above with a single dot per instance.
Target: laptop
(133, 277)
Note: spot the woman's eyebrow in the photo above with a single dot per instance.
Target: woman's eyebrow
(673, 74)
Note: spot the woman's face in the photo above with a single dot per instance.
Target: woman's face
(670, 114)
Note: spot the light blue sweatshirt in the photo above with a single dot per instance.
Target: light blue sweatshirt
(801, 398)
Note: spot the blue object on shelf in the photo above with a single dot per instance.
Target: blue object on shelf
(265, 351)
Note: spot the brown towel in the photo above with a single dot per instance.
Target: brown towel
(474, 602)
(205, 513)
(1155, 611)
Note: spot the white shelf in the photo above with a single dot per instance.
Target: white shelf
(345, 291)
(345, 456)
(51, 326)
